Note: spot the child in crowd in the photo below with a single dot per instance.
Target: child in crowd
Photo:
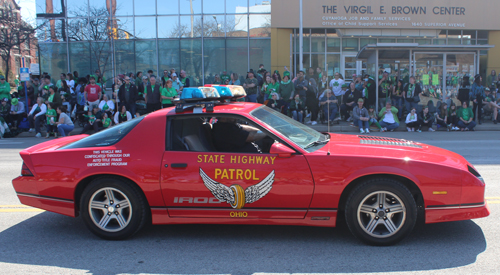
(373, 117)
(106, 121)
(90, 117)
(51, 120)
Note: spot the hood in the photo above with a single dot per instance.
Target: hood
(386, 147)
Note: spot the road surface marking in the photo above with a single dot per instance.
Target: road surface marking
(18, 208)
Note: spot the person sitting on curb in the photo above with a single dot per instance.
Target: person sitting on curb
(426, 119)
(388, 118)
(466, 118)
(373, 117)
(361, 117)
(412, 120)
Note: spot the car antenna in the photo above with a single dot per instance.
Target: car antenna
(328, 112)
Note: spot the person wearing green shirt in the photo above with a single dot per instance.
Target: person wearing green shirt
(225, 77)
(138, 79)
(466, 118)
(51, 120)
(167, 94)
(4, 88)
(286, 89)
(273, 86)
(106, 121)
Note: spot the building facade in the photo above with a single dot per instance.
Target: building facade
(28, 50)
(205, 37)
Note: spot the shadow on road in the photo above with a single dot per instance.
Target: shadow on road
(53, 240)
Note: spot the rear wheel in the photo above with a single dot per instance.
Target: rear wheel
(113, 209)
(381, 211)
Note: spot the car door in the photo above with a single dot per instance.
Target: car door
(212, 184)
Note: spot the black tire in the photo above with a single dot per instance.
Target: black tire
(113, 222)
(377, 225)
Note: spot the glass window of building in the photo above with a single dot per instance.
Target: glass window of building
(167, 7)
(237, 25)
(350, 44)
(213, 7)
(236, 6)
(98, 5)
(124, 55)
(168, 54)
(50, 30)
(191, 26)
(100, 57)
(237, 56)
(259, 6)
(365, 41)
(124, 27)
(77, 8)
(318, 40)
(191, 56)
(168, 26)
(54, 57)
(333, 44)
(124, 8)
(48, 7)
(214, 56)
(260, 25)
(190, 6)
(145, 56)
(213, 26)
(260, 53)
(145, 7)
(145, 27)
(79, 54)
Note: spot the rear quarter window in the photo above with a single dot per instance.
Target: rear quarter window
(106, 137)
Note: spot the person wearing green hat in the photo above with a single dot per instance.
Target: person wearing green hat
(17, 112)
(361, 117)
(286, 90)
(4, 88)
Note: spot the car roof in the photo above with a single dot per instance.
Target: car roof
(233, 107)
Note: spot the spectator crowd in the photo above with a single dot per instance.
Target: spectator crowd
(57, 105)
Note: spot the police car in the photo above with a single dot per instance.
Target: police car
(167, 168)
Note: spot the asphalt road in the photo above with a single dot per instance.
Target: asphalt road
(35, 242)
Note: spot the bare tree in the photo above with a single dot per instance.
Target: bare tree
(98, 30)
(13, 33)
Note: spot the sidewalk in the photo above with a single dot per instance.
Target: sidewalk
(347, 127)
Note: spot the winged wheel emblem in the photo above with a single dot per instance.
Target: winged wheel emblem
(235, 195)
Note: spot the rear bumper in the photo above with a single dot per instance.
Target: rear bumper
(28, 194)
(456, 213)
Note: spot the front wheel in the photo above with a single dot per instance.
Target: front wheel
(381, 211)
(113, 209)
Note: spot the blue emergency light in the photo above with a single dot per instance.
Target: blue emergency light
(207, 96)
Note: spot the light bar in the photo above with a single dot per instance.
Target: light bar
(199, 93)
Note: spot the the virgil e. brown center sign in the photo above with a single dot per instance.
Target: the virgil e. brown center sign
(422, 14)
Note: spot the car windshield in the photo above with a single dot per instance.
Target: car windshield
(295, 131)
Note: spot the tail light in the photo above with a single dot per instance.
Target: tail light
(25, 171)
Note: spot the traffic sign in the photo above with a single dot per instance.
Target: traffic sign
(35, 68)
(24, 74)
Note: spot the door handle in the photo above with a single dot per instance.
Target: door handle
(179, 165)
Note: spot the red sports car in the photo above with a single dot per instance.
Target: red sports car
(245, 163)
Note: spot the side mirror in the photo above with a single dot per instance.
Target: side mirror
(281, 150)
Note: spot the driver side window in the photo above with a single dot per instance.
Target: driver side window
(217, 134)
